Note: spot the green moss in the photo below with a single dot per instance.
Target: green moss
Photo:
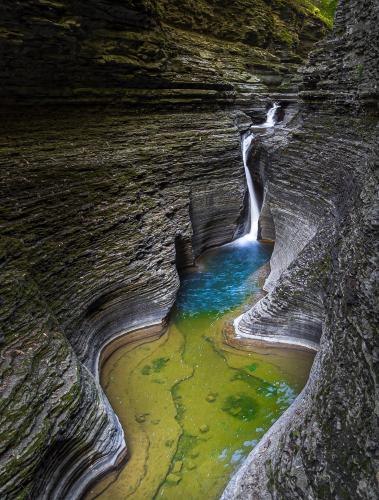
(156, 366)
(159, 364)
(252, 367)
(322, 9)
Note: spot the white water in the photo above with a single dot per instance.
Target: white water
(246, 142)
(270, 118)
(254, 209)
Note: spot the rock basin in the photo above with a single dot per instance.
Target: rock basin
(192, 406)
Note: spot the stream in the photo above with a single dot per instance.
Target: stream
(193, 407)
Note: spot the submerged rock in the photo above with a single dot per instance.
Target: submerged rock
(240, 406)
(141, 418)
(190, 465)
(173, 479)
(211, 397)
(177, 467)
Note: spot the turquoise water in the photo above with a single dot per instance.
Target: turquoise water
(193, 407)
(223, 280)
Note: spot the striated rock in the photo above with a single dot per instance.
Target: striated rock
(152, 53)
(49, 400)
(321, 198)
(120, 162)
(100, 211)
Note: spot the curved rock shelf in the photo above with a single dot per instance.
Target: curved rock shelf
(96, 256)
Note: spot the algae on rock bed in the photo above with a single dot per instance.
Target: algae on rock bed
(191, 406)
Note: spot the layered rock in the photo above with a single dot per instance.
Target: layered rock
(322, 201)
(100, 211)
(152, 52)
(100, 203)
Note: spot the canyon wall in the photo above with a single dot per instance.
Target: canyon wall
(155, 53)
(95, 213)
(119, 159)
(322, 199)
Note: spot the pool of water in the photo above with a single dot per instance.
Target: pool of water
(193, 407)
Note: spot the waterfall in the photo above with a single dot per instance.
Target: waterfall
(270, 118)
(246, 142)
(254, 209)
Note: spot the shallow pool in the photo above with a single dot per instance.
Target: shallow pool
(192, 407)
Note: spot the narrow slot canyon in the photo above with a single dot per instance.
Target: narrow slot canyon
(189, 252)
(191, 390)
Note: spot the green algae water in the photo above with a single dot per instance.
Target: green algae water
(193, 407)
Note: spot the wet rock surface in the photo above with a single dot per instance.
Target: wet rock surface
(97, 209)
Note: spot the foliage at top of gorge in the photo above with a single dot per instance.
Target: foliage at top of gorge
(324, 9)
(262, 15)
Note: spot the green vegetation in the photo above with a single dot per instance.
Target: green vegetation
(323, 9)
(156, 366)
(360, 70)
(252, 367)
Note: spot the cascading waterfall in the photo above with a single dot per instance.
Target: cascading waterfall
(254, 209)
(270, 118)
(246, 142)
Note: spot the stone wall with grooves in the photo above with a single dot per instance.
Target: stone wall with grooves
(152, 52)
(93, 210)
(321, 173)
(119, 158)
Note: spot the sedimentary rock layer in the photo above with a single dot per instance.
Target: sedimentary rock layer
(322, 200)
(152, 52)
(95, 215)
(100, 205)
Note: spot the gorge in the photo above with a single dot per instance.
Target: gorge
(191, 406)
(121, 164)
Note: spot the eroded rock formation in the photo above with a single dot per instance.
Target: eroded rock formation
(153, 52)
(322, 199)
(99, 210)
(119, 158)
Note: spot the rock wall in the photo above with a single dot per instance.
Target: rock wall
(152, 52)
(94, 212)
(119, 159)
(321, 173)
